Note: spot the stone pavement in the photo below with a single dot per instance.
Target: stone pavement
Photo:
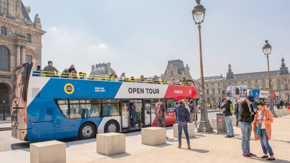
(205, 148)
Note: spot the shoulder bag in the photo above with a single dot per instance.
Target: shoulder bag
(258, 129)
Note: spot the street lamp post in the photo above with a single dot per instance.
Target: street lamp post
(267, 48)
(198, 14)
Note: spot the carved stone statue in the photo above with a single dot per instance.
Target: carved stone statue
(37, 19)
(18, 9)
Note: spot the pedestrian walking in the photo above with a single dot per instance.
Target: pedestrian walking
(50, 70)
(262, 129)
(236, 113)
(228, 116)
(37, 72)
(246, 117)
(175, 110)
(278, 104)
(160, 110)
(210, 106)
(219, 105)
(183, 119)
(193, 112)
(133, 114)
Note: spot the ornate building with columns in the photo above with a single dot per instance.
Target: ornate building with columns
(175, 70)
(20, 42)
(215, 85)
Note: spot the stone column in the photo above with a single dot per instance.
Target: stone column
(18, 55)
(23, 54)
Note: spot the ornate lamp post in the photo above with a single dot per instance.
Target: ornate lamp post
(267, 48)
(198, 14)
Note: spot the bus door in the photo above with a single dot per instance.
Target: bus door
(147, 113)
(125, 118)
(139, 114)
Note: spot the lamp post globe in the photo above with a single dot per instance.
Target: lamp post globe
(198, 14)
(267, 49)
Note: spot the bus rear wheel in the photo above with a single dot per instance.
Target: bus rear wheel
(112, 126)
(87, 131)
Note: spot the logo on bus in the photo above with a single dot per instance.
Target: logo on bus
(69, 88)
(178, 91)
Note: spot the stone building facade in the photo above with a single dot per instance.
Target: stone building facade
(20, 42)
(215, 85)
(175, 70)
(102, 69)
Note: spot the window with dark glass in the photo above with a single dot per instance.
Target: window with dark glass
(4, 31)
(286, 87)
(207, 92)
(28, 37)
(153, 102)
(28, 59)
(4, 58)
(4, 6)
(170, 105)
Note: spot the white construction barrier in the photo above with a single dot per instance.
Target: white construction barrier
(153, 135)
(111, 143)
(190, 127)
(48, 152)
(213, 123)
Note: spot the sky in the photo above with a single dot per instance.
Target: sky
(140, 37)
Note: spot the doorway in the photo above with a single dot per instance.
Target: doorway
(4, 103)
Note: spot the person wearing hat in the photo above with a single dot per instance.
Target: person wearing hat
(236, 112)
(265, 118)
(246, 117)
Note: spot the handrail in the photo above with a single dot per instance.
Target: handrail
(106, 78)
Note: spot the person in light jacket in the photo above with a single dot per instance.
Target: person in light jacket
(265, 118)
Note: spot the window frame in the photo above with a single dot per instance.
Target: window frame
(3, 30)
(27, 55)
(4, 58)
(29, 37)
(4, 6)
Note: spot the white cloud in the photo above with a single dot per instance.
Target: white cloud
(100, 46)
(66, 46)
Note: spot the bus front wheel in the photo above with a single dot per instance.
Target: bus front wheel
(87, 131)
(112, 126)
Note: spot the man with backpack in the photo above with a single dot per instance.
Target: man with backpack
(228, 109)
(159, 113)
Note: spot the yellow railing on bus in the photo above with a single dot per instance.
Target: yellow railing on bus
(107, 78)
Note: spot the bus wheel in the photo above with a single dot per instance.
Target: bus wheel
(87, 131)
(112, 126)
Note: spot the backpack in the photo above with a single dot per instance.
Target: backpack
(232, 109)
(158, 110)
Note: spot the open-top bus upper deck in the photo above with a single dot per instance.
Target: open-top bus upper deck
(56, 108)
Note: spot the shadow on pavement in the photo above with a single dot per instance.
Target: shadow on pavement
(17, 146)
(163, 145)
(264, 160)
(118, 155)
(197, 150)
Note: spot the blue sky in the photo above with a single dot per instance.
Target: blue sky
(139, 37)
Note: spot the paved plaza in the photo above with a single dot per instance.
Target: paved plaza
(205, 148)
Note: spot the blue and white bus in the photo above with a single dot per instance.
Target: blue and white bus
(47, 108)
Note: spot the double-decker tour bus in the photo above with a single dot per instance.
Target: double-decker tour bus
(47, 107)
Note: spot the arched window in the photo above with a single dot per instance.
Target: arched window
(4, 31)
(4, 58)
(28, 37)
(3, 6)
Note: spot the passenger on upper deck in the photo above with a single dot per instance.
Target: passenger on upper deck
(49, 70)
(72, 67)
(142, 78)
(65, 73)
(155, 80)
(132, 78)
(184, 79)
(73, 74)
(113, 74)
(37, 72)
(81, 75)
